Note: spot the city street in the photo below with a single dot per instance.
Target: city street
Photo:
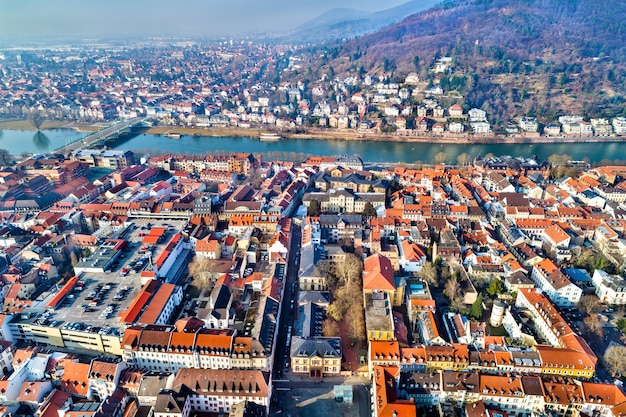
(312, 393)
(281, 354)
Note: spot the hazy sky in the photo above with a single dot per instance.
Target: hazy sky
(43, 18)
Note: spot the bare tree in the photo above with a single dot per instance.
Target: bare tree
(73, 258)
(342, 301)
(463, 159)
(589, 304)
(429, 273)
(440, 158)
(349, 270)
(204, 272)
(325, 269)
(593, 326)
(557, 159)
(330, 328)
(356, 323)
(36, 119)
(452, 288)
(615, 359)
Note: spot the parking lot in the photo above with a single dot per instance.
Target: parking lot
(98, 298)
(97, 301)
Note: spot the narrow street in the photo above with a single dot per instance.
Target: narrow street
(281, 355)
(286, 384)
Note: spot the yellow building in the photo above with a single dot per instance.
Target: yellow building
(447, 358)
(316, 356)
(378, 277)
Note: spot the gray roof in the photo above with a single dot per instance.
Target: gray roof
(324, 347)
(333, 219)
(315, 297)
(152, 383)
(310, 320)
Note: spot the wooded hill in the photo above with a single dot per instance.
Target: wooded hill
(539, 58)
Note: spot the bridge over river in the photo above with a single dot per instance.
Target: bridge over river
(101, 135)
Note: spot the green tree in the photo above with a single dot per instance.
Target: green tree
(314, 208)
(495, 287)
(476, 311)
(6, 159)
(369, 211)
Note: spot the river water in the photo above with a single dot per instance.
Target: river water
(17, 142)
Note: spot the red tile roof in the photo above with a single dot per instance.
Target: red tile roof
(378, 274)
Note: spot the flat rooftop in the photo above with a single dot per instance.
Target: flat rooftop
(99, 297)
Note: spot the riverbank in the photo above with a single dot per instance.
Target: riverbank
(22, 124)
(347, 135)
(316, 134)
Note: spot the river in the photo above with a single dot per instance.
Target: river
(17, 142)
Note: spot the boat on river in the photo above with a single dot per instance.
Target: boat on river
(270, 137)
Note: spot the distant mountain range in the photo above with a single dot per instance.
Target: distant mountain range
(511, 57)
(344, 23)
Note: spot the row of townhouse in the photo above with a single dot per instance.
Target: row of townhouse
(344, 200)
(403, 392)
(168, 349)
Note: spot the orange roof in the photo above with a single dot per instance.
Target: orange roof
(31, 391)
(423, 304)
(214, 339)
(150, 239)
(564, 358)
(533, 223)
(552, 274)
(207, 245)
(417, 353)
(412, 251)
(63, 292)
(131, 337)
(607, 393)
(155, 307)
(135, 307)
(21, 355)
(184, 342)
(168, 250)
(157, 231)
(75, 378)
(54, 402)
(378, 274)
(384, 350)
(501, 385)
(556, 234)
(562, 392)
(386, 396)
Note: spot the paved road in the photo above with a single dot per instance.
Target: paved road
(287, 311)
